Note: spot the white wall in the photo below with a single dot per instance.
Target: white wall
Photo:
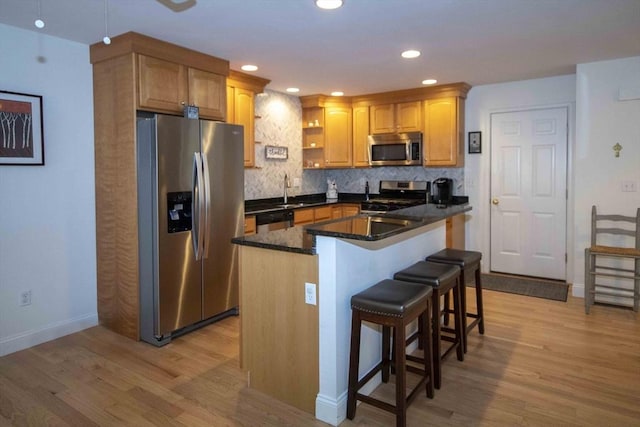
(47, 214)
(602, 120)
(481, 102)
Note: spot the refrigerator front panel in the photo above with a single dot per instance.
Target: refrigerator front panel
(223, 148)
(179, 291)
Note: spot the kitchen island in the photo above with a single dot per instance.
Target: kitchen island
(299, 352)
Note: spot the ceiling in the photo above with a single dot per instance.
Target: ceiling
(356, 49)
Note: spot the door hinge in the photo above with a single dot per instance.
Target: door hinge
(566, 194)
(566, 258)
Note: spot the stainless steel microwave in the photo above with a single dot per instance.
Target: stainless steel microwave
(397, 149)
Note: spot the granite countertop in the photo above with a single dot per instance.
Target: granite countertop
(252, 207)
(367, 227)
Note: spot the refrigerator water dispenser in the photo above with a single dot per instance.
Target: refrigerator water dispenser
(179, 211)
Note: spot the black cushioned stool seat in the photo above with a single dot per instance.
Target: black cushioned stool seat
(443, 278)
(469, 263)
(392, 304)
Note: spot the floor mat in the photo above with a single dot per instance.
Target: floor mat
(549, 289)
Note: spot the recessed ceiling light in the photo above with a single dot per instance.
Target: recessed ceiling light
(429, 82)
(337, 93)
(293, 90)
(39, 23)
(329, 4)
(410, 54)
(249, 67)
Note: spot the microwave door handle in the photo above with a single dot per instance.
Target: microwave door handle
(408, 152)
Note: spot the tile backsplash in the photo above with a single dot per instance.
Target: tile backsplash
(280, 125)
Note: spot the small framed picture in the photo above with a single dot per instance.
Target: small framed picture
(21, 129)
(475, 142)
(275, 152)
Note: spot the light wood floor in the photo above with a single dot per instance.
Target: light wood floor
(540, 363)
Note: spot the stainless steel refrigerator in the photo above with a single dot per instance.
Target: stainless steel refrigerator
(190, 205)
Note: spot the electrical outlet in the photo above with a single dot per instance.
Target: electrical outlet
(25, 298)
(310, 293)
(296, 182)
(629, 186)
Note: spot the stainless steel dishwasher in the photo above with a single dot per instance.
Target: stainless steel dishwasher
(276, 220)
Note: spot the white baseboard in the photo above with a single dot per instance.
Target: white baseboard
(334, 411)
(24, 340)
(577, 290)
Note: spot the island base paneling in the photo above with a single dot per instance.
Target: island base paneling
(279, 339)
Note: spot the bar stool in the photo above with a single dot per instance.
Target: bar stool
(392, 304)
(443, 278)
(469, 263)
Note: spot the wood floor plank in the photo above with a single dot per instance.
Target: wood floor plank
(540, 363)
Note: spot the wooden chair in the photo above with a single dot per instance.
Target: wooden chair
(612, 225)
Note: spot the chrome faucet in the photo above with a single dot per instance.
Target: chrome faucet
(286, 185)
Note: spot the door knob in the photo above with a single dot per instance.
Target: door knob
(495, 201)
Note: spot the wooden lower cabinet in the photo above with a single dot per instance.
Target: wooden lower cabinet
(455, 235)
(303, 216)
(279, 339)
(322, 214)
(249, 225)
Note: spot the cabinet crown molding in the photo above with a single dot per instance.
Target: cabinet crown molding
(247, 81)
(133, 42)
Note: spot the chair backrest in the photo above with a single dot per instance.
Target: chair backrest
(618, 227)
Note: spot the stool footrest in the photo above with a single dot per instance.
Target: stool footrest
(370, 375)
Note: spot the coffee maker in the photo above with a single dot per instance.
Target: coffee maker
(442, 191)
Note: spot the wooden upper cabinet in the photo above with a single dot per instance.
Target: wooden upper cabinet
(442, 139)
(241, 91)
(241, 111)
(401, 117)
(162, 85)
(338, 136)
(360, 136)
(166, 86)
(207, 92)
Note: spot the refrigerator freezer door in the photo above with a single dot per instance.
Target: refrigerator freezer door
(179, 291)
(222, 145)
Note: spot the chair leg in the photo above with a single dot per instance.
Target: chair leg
(587, 280)
(479, 305)
(354, 361)
(636, 286)
(458, 321)
(386, 344)
(463, 309)
(425, 320)
(435, 339)
(399, 337)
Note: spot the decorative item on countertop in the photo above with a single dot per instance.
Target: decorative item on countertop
(332, 191)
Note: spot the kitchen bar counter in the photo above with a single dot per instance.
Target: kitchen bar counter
(364, 227)
(295, 288)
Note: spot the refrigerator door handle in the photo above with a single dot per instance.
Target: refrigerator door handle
(206, 236)
(198, 208)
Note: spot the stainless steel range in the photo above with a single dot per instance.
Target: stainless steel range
(394, 195)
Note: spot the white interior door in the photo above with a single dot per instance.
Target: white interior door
(528, 192)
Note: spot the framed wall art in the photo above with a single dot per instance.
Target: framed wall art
(276, 153)
(21, 133)
(475, 142)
